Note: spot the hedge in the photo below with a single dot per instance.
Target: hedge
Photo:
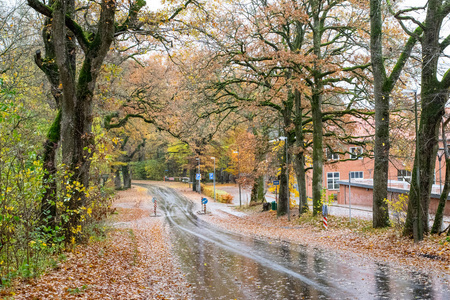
(221, 196)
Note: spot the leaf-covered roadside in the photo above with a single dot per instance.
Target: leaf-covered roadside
(359, 238)
(133, 262)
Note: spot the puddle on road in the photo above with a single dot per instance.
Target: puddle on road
(223, 265)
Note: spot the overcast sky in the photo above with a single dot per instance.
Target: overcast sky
(154, 4)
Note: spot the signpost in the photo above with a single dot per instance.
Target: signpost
(154, 204)
(214, 177)
(204, 201)
(276, 183)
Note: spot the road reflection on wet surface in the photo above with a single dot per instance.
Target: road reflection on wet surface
(224, 265)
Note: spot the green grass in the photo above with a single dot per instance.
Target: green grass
(77, 290)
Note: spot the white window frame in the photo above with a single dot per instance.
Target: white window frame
(356, 173)
(406, 177)
(335, 186)
(354, 152)
(331, 155)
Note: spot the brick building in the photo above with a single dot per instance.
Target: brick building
(351, 162)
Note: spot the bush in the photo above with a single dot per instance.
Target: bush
(138, 170)
(398, 207)
(221, 196)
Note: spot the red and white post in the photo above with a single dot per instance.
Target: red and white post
(154, 205)
(325, 216)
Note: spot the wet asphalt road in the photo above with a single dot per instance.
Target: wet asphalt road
(223, 265)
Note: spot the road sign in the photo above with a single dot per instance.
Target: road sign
(198, 176)
(211, 176)
(154, 199)
(276, 182)
(204, 200)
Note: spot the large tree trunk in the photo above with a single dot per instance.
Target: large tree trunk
(439, 217)
(117, 181)
(49, 199)
(50, 69)
(382, 145)
(283, 194)
(126, 176)
(283, 201)
(434, 95)
(316, 110)
(257, 194)
(300, 157)
(383, 86)
(76, 108)
(417, 217)
(192, 179)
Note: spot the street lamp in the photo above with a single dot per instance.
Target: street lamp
(239, 178)
(440, 153)
(213, 158)
(198, 175)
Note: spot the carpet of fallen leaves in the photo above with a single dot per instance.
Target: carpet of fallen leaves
(356, 239)
(133, 262)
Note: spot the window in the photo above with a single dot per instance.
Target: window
(356, 152)
(332, 179)
(404, 175)
(357, 175)
(331, 155)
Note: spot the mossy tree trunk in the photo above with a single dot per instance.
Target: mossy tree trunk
(76, 104)
(283, 194)
(257, 194)
(300, 157)
(383, 86)
(439, 217)
(126, 176)
(48, 65)
(316, 108)
(117, 181)
(286, 111)
(417, 218)
(434, 96)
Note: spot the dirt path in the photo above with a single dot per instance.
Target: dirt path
(134, 262)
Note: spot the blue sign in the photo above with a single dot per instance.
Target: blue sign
(204, 200)
(198, 176)
(211, 176)
(276, 182)
(153, 199)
